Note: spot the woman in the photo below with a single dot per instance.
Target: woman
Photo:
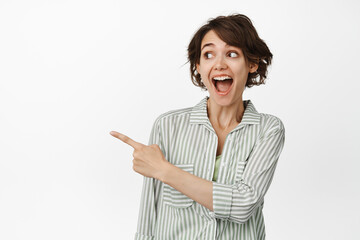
(208, 167)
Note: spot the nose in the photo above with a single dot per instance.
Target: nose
(220, 64)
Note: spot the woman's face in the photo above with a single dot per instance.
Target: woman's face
(223, 62)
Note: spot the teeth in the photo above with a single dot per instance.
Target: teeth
(222, 78)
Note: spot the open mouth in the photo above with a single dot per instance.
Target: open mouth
(222, 84)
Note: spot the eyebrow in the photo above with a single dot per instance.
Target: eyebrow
(211, 44)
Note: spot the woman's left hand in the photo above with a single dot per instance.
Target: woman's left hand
(149, 161)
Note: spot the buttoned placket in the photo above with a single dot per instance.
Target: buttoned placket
(224, 160)
(200, 116)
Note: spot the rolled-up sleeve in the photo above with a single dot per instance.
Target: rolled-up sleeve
(237, 202)
(149, 195)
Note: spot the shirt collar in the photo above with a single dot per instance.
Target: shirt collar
(199, 115)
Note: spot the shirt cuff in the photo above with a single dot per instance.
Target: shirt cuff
(139, 236)
(222, 197)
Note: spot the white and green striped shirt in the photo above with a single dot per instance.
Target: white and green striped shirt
(248, 161)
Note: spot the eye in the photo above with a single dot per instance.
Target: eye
(233, 54)
(208, 55)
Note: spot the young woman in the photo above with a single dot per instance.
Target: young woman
(207, 167)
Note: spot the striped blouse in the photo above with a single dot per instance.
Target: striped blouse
(248, 161)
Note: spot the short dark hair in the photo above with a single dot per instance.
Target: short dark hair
(236, 30)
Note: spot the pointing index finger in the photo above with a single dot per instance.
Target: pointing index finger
(126, 139)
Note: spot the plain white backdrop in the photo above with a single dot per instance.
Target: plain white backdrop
(72, 71)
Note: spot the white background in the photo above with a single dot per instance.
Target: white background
(72, 71)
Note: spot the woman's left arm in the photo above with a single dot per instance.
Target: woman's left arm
(238, 201)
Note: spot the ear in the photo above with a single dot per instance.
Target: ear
(253, 67)
(198, 68)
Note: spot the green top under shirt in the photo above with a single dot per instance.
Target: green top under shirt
(217, 164)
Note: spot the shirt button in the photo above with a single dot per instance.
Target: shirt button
(212, 214)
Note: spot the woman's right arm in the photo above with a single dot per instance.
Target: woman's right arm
(147, 214)
(150, 195)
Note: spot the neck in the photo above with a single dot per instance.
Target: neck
(225, 117)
